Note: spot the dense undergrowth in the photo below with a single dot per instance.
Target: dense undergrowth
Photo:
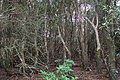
(63, 72)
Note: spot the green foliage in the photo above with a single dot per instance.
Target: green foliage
(117, 32)
(65, 68)
(62, 73)
(22, 8)
(112, 12)
(47, 75)
(4, 63)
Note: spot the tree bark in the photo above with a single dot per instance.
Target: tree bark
(98, 55)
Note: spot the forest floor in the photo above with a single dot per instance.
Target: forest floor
(88, 74)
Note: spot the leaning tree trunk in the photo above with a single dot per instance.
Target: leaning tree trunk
(98, 55)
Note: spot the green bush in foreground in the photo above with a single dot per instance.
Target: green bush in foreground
(63, 72)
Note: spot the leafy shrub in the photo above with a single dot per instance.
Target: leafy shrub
(63, 72)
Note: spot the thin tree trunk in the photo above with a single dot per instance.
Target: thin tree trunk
(64, 44)
(83, 39)
(111, 47)
(1, 6)
(36, 48)
(111, 58)
(45, 38)
(98, 58)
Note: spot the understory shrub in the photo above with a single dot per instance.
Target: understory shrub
(63, 72)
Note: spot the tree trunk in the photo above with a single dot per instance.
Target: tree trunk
(98, 55)
(111, 58)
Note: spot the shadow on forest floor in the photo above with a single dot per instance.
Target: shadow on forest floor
(89, 74)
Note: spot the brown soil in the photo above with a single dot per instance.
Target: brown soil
(88, 74)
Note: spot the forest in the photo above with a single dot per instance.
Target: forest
(59, 39)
